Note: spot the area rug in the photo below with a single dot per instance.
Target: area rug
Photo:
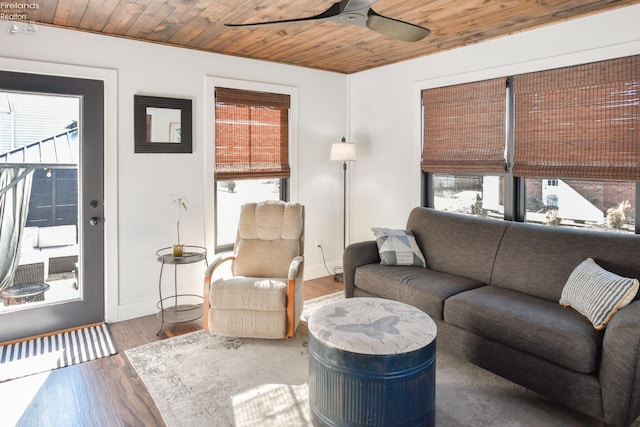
(55, 351)
(201, 380)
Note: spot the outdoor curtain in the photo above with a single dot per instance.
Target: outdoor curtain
(15, 191)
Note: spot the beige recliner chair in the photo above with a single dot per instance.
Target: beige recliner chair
(264, 297)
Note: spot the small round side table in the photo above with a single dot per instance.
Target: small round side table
(185, 307)
(371, 363)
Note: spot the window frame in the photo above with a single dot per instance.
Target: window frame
(288, 186)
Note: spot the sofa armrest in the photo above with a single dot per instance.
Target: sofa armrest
(355, 255)
(620, 367)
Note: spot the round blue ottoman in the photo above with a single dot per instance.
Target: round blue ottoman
(371, 363)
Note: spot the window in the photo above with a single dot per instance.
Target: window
(479, 195)
(251, 154)
(572, 144)
(576, 143)
(602, 205)
(464, 146)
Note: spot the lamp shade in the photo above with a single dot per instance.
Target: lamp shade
(343, 152)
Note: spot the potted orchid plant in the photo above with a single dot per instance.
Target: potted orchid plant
(181, 203)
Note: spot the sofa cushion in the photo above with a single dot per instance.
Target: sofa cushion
(398, 247)
(462, 245)
(249, 293)
(597, 293)
(533, 325)
(544, 257)
(270, 234)
(420, 287)
(264, 258)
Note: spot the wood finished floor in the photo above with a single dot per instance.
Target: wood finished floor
(105, 392)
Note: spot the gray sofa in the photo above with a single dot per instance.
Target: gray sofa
(493, 288)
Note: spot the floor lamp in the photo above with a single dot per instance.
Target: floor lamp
(343, 152)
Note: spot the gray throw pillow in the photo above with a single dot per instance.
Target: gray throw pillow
(398, 247)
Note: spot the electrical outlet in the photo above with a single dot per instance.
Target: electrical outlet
(318, 244)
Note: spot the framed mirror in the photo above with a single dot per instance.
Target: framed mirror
(162, 125)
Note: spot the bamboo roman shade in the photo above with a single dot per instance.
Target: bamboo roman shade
(464, 127)
(252, 134)
(579, 122)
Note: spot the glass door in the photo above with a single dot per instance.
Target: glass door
(51, 193)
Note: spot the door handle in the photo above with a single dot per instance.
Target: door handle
(94, 220)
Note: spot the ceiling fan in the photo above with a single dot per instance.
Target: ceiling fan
(358, 12)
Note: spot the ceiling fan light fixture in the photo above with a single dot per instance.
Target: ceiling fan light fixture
(350, 18)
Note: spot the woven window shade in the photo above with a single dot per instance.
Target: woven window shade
(464, 128)
(252, 135)
(579, 122)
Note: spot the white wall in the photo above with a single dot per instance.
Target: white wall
(385, 103)
(140, 216)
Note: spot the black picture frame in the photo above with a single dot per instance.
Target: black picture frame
(143, 142)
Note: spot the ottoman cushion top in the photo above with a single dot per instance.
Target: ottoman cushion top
(372, 326)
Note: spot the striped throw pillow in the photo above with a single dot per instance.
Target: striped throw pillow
(597, 293)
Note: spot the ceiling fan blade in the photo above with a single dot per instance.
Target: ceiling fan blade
(334, 10)
(395, 29)
(357, 12)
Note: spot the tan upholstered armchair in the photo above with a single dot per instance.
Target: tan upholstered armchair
(264, 296)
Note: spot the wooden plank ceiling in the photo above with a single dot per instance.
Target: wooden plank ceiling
(331, 46)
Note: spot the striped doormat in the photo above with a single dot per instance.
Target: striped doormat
(55, 351)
